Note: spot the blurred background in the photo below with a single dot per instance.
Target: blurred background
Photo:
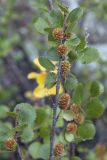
(20, 44)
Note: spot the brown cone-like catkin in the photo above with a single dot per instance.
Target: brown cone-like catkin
(58, 150)
(64, 101)
(10, 144)
(79, 118)
(58, 33)
(75, 108)
(71, 127)
(65, 67)
(62, 50)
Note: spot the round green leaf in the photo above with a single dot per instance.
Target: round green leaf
(88, 55)
(60, 122)
(72, 56)
(82, 45)
(52, 55)
(44, 131)
(86, 131)
(70, 82)
(3, 111)
(72, 42)
(44, 151)
(55, 18)
(78, 94)
(50, 80)
(37, 150)
(96, 88)
(34, 150)
(27, 134)
(4, 131)
(40, 25)
(41, 116)
(46, 63)
(95, 108)
(69, 137)
(26, 113)
(75, 14)
(68, 115)
(75, 158)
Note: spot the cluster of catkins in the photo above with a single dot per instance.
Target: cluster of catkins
(62, 49)
(64, 101)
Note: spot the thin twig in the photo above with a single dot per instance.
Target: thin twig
(50, 4)
(52, 135)
(19, 154)
(27, 155)
(55, 117)
(73, 145)
(65, 25)
(18, 151)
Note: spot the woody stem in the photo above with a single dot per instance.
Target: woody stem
(52, 135)
(18, 151)
(55, 106)
(19, 155)
(50, 4)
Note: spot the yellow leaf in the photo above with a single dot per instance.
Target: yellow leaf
(41, 92)
(40, 77)
(52, 91)
(32, 75)
(36, 62)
